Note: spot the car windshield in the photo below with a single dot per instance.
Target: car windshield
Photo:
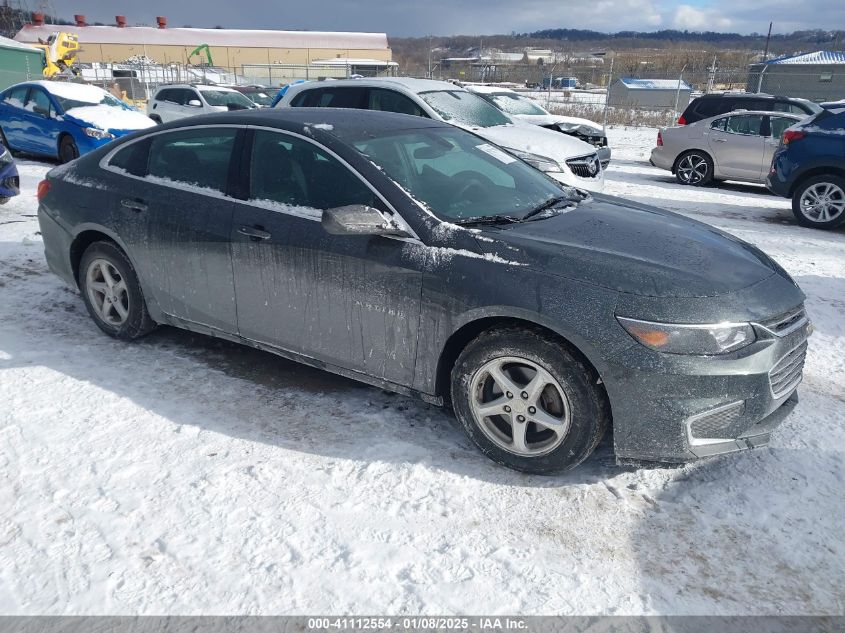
(464, 107)
(260, 97)
(226, 98)
(67, 103)
(516, 104)
(460, 177)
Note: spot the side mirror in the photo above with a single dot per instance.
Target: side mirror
(195, 103)
(359, 219)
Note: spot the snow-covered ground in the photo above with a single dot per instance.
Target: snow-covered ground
(184, 475)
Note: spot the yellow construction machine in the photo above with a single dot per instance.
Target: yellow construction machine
(60, 51)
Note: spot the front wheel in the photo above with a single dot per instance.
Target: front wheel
(68, 149)
(527, 402)
(112, 293)
(819, 202)
(694, 168)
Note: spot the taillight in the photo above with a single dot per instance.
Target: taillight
(682, 120)
(792, 135)
(659, 139)
(43, 188)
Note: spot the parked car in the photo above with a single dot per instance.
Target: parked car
(10, 182)
(63, 120)
(523, 108)
(738, 146)
(809, 167)
(564, 158)
(716, 103)
(259, 95)
(413, 255)
(177, 101)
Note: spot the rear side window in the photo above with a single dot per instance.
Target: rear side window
(199, 158)
(16, 96)
(341, 98)
(133, 158)
(392, 101)
(709, 107)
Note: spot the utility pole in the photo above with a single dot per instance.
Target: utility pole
(712, 74)
(607, 93)
(768, 37)
(429, 56)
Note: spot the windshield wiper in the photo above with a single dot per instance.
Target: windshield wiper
(553, 202)
(487, 219)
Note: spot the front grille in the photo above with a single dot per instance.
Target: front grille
(585, 166)
(717, 425)
(788, 371)
(787, 322)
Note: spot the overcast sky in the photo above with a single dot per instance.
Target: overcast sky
(449, 17)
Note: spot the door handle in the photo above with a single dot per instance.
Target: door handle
(135, 205)
(255, 233)
(720, 140)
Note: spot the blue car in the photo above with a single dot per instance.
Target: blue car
(9, 180)
(809, 167)
(63, 120)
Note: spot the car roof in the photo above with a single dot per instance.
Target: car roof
(411, 84)
(197, 86)
(298, 119)
(490, 90)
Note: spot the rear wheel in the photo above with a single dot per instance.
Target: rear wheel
(68, 149)
(527, 402)
(694, 168)
(112, 293)
(819, 202)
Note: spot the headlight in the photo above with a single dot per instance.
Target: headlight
(543, 163)
(673, 338)
(95, 132)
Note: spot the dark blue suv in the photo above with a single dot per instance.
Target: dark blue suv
(809, 166)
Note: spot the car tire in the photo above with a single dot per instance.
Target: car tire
(68, 149)
(819, 202)
(526, 379)
(112, 294)
(694, 168)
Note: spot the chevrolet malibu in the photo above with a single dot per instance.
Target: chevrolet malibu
(416, 256)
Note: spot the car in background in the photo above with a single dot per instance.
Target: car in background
(809, 167)
(564, 158)
(259, 95)
(10, 182)
(716, 103)
(409, 254)
(177, 101)
(737, 146)
(63, 120)
(523, 108)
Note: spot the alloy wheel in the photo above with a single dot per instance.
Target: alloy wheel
(822, 202)
(520, 406)
(692, 169)
(107, 292)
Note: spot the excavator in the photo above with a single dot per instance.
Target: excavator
(60, 51)
(202, 48)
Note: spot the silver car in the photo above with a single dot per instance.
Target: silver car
(734, 146)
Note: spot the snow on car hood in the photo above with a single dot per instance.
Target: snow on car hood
(109, 118)
(536, 140)
(555, 119)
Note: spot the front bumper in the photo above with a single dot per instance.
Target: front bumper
(673, 408)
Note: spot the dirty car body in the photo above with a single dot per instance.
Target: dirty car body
(397, 309)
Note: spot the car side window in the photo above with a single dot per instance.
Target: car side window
(745, 124)
(341, 98)
(133, 158)
(719, 124)
(39, 103)
(16, 97)
(286, 171)
(299, 100)
(779, 124)
(198, 158)
(392, 101)
(162, 95)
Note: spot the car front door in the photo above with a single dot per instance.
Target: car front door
(736, 145)
(183, 193)
(351, 301)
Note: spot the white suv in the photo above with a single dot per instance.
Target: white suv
(180, 100)
(565, 158)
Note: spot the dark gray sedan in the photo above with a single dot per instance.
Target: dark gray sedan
(418, 257)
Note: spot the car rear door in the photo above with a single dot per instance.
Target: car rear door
(349, 301)
(737, 148)
(14, 121)
(40, 122)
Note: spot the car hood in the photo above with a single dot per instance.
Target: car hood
(112, 119)
(633, 248)
(536, 140)
(564, 122)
